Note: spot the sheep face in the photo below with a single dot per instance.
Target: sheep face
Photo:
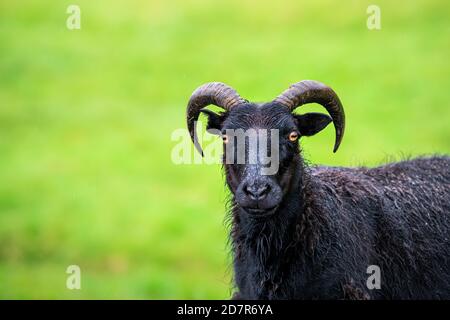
(261, 151)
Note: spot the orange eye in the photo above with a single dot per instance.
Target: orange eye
(293, 136)
(225, 138)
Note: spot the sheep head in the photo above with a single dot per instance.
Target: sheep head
(257, 190)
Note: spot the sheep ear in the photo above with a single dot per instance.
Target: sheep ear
(214, 120)
(311, 123)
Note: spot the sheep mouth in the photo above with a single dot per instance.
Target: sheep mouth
(260, 213)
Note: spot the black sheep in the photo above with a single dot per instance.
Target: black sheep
(309, 232)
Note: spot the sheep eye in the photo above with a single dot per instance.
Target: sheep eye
(225, 138)
(293, 136)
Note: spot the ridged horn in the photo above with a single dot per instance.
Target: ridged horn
(310, 91)
(215, 93)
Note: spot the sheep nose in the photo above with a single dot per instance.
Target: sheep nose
(257, 192)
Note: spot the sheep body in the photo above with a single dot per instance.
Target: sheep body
(335, 222)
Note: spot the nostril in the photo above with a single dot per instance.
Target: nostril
(262, 191)
(247, 190)
(257, 193)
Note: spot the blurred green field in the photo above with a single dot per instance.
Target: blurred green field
(86, 115)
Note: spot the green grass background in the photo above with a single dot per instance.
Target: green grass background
(86, 116)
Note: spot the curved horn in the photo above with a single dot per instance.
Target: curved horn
(216, 93)
(309, 91)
